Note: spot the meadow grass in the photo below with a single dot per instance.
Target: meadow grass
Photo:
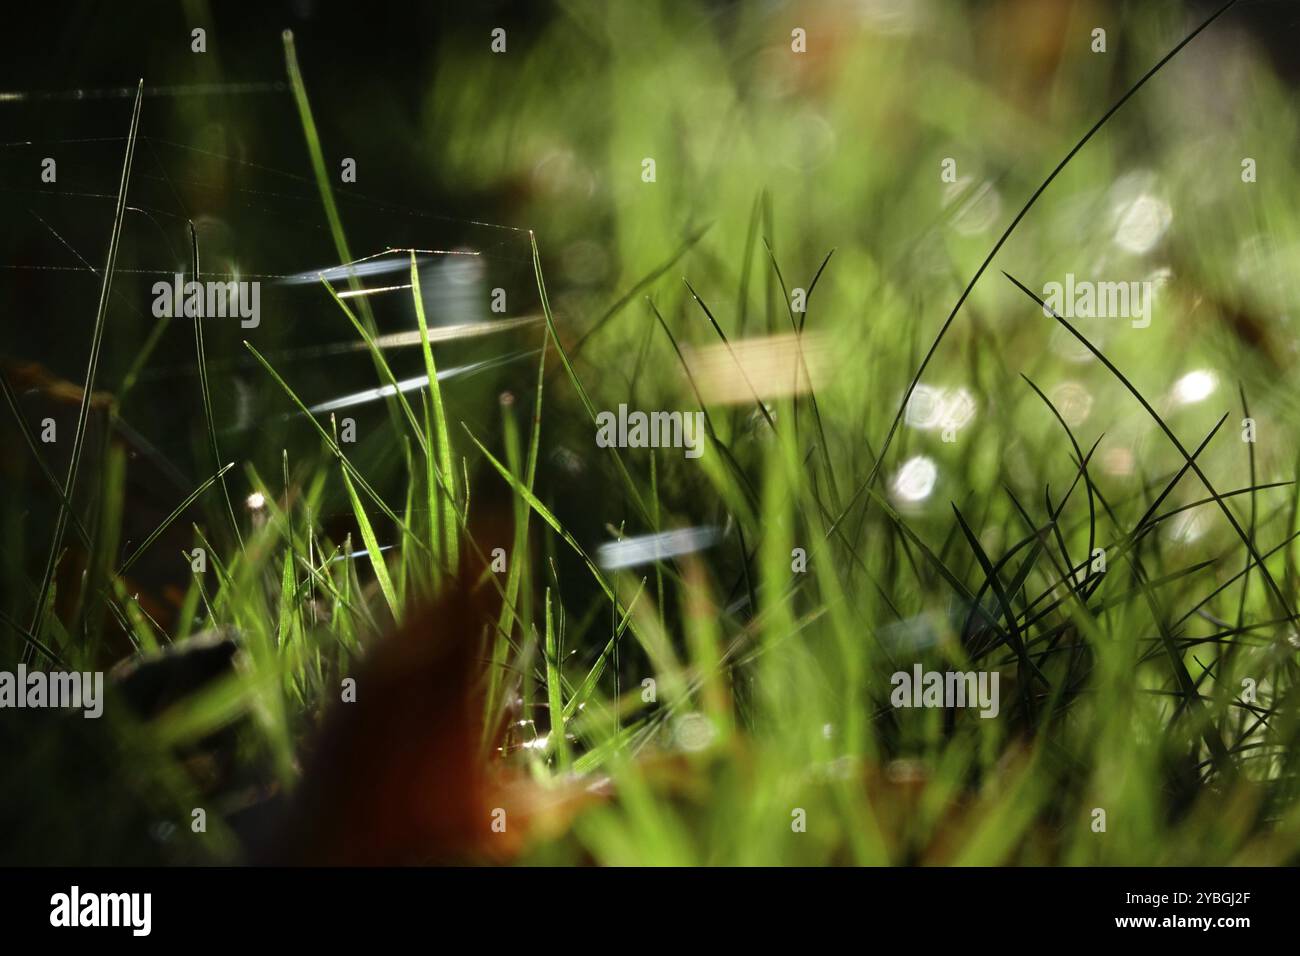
(1156, 684)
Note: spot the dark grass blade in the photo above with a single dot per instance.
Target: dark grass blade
(206, 389)
(12, 400)
(645, 282)
(31, 639)
(723, 336)
(803, 367)
(1236, 577)
(92, 368)
(176, 513)
(1191, 461)
(1254, 515)
(1012, 635)
(1079, 456)
(1149, 520)
(997, 247)
(1190, 699)
(751, 493)
(577, 382)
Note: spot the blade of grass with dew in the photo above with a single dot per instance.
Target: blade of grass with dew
(139, 632)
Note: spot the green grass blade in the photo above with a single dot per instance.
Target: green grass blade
(442, 433)
(372, 547)
(555, 698)
(334, 447)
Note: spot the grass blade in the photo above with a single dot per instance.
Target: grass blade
(372, 548)
(441, 433)
(92, 367)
